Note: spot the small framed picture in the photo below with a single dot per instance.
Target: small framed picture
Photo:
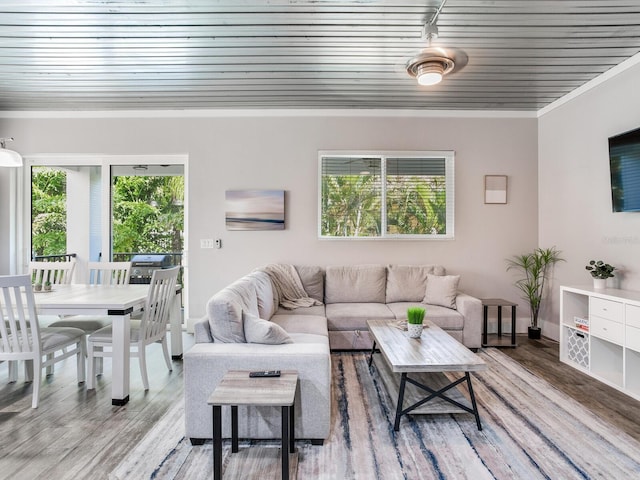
(495, 189)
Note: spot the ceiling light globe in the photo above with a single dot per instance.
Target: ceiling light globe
(427, 79)
(9, 158)
(429, 73)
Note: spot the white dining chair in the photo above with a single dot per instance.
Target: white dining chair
(22, 338)
(150, 329)
(100, 273)
(57, 273)
(109, 273)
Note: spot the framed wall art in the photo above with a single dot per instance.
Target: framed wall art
(254, 209)
(495, 189)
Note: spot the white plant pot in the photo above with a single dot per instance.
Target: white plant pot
(415, 329)
(599, 283)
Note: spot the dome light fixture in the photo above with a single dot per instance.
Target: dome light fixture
(432, 63)
(429, 67)
(9, 158)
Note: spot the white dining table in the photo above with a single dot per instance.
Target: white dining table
(117, 302)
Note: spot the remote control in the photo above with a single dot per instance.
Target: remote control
(265, 373)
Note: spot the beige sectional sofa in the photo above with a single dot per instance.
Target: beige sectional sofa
(350, 295)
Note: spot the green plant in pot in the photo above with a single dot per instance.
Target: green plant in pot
(535, 267)
(600, 271)
(415, 317)
(47, 286)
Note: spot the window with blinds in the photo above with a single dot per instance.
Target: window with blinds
(379, 196)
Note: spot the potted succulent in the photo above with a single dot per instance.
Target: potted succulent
(47, 286)
(600, 271)
(415, 316)
(536, 267)
(37, 287)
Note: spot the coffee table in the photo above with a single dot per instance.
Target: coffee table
(425, 359)
(237, 388)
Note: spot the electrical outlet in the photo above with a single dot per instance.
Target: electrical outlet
(218, 243)
(206, 243)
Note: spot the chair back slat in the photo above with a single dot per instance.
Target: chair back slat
(109, 273)
(19, 329)
(58, 273)
(157, 307)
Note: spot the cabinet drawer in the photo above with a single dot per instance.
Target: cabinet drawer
(607, 329)
(606, 309)
(632, 315)
(633, 338)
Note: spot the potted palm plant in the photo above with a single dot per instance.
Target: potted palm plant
(535, 267)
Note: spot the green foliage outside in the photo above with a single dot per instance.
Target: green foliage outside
(48, 211)
(351, 205)
(148, 213)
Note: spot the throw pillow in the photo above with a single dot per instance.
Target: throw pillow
(407, 283)
(442, 290)
(257, 330)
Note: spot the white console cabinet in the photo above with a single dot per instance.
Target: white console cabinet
(600, 335)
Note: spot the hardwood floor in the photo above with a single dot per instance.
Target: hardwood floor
(76, 434)
(541, 358)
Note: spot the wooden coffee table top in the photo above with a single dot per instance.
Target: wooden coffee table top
(434, 351)
(237, 388)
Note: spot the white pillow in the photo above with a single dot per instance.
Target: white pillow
(257, 330)
(442, 290)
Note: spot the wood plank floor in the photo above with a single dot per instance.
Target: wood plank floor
(76, 434)
(541, 358)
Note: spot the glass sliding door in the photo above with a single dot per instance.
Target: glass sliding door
(147, 204)
(98, 207)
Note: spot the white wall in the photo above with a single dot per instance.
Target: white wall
(4, 221)
(575, 197)
(280, 152)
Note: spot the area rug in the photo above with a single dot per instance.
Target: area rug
(530, 430)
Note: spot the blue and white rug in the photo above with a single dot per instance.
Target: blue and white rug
(530, 431)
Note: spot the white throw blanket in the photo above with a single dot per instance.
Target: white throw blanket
(287, 283)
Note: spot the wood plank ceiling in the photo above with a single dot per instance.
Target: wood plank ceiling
(212, 54)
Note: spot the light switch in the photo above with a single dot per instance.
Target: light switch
(218, 243)
(206, 243)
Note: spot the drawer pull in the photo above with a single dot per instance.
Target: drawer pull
(581, 335)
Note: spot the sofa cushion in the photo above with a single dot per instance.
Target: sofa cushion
(312, 278)
(316, 325)
(355, 284)
(267, 303)
(317, 310)
(442, 290)
(408, 283)
(354, 316)
(445, 318)
(224, 310)
(258, 330)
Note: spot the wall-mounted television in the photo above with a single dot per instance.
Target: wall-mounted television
(624, 164)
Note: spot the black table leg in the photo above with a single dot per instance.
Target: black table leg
(473, 400)
(403, 382)
(217, 442)
(373, 350)
(292, 428)
(513, 326)
(485, 322)
(234, 428)
(285, 443)
(499, 320)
